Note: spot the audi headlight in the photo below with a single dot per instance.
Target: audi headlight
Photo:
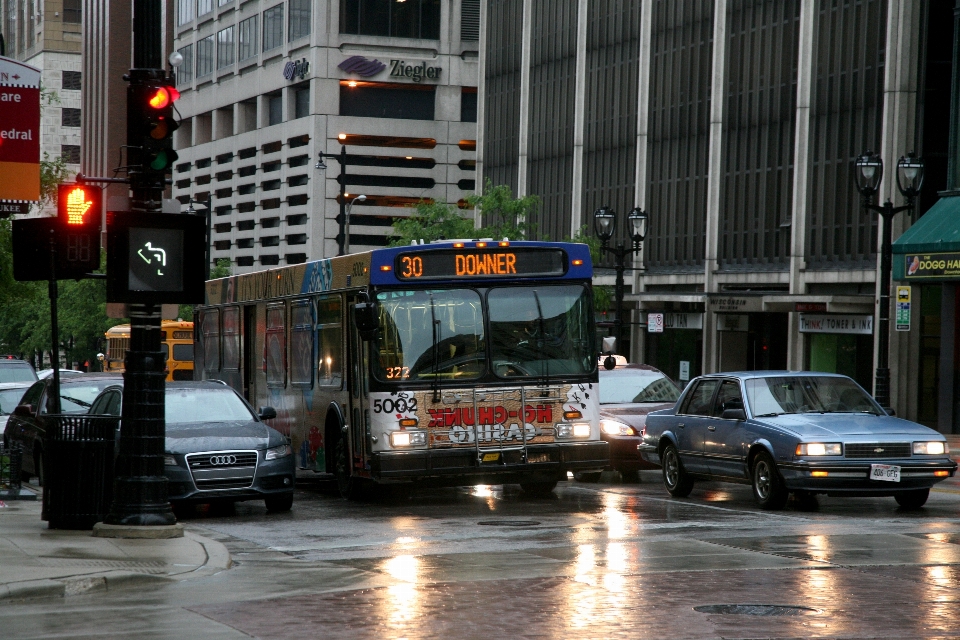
(575, 430)
(820, 449)
(408, 438)
(616, 428)
(169, 461)
(282, 451)
(936, 448)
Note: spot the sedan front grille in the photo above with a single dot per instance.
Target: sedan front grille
(219, 470)
(876, 450)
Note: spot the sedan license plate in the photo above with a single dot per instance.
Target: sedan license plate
(885, 472)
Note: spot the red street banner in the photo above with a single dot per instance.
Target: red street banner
(19, 131)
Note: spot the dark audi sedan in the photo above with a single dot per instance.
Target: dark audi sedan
(217, 449)
(799, 432)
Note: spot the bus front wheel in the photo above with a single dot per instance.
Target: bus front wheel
(348, 485)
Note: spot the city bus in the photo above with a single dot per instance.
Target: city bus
(443, 364)
(176, 342)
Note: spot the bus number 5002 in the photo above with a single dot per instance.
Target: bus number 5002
(412, 267)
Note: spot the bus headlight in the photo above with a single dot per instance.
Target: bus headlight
(575, 430)
(936, 448)
(408, 438)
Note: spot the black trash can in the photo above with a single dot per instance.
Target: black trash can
(79, 452)
(11, 459)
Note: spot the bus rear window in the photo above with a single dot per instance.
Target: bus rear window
(183, 352)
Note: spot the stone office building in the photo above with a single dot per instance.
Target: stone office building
(735, 125)
(269, 85)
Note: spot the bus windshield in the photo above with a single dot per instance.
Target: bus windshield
(430, 334)
(540, 331)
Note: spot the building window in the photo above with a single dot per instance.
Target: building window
(69, 117)
(410, 19)
(70, 153)
(185, 71)
(273, 27)
(205, 57)
(470, 21)
(301, 97)
(70, 80)
(225, 48)
(468, 104)
(382, 100)
(204, 7)
(274, 109)
(297, 238)
(270, 260)
(248, 38)
(72, 11)
(244, 261)
(221, 3)
(299, 19)
(184, 11)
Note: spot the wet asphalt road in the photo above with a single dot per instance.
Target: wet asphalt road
(608, 560)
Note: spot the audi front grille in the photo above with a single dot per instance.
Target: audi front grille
(219, 470)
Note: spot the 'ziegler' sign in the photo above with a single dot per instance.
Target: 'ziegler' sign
(400, 69)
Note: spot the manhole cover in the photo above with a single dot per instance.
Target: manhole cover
(509, 523)
(757, 609)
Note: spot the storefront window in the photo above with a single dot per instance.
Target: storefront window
(929, 386)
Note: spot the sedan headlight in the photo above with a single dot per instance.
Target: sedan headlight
(820, 449)
(169, 461)
(936, 448)
(408, 438)
(616, 428)
(276, 453)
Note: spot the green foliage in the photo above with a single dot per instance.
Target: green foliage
(506, 216)
(602, 298)
(432, 221)
(593, 242)
(53, 173)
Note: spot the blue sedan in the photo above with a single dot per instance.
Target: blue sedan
(800, 432)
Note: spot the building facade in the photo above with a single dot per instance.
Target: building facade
(734, 124)
(47, 35)
(268, 86)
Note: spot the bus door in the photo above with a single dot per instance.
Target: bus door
(359, 384)
(249, 351)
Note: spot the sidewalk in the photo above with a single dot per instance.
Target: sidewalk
(37, 562)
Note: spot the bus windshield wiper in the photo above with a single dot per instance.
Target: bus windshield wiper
(435, 331)
(544, 365)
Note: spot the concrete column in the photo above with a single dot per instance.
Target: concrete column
(806, 50)
(481, 100)
(897, 139)
(643, 128)
(715, 169)
(579, 119)
(524, 134)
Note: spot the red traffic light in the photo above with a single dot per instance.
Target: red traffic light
(162, 97)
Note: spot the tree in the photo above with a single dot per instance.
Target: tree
(432, 221)
(506, 216)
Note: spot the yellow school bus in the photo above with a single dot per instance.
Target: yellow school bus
(176, 342)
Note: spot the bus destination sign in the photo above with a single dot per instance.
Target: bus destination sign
(496, 262)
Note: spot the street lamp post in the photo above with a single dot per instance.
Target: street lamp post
(346, 232)
(604, 225)
(867, 175)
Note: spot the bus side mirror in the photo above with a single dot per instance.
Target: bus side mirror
(366, 319)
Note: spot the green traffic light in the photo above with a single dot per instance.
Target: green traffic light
(163, 160)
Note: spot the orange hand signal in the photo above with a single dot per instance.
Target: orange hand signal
(77, 206)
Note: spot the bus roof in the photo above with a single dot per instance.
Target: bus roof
(466, 260)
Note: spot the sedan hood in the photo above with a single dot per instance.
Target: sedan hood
(633, 414)
(823, 425)
(218, 436)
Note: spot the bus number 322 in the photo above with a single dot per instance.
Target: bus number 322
(400, 405)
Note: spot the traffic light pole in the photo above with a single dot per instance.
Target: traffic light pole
(54, 323)
(140, 488)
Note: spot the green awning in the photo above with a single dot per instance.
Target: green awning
(937, 231)
(929, 251)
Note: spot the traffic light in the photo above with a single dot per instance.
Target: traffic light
(79, 212)
(151, 122)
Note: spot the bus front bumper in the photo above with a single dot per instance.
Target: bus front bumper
(504, 465)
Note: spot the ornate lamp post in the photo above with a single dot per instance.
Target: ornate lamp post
(604, 225)
(867, 175)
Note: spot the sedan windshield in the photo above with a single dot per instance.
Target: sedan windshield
(807, 394)
(626, 386)
(10, 398)
(541, 331)
(205, 405)
(17, 372)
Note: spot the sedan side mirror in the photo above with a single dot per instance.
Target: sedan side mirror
(890, 411)
(733, 414)
(267, 413)
(23, 410)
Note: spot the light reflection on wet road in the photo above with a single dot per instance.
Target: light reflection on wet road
(595, 560)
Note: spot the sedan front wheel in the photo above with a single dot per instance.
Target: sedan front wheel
(678, 483)
(768, 489)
